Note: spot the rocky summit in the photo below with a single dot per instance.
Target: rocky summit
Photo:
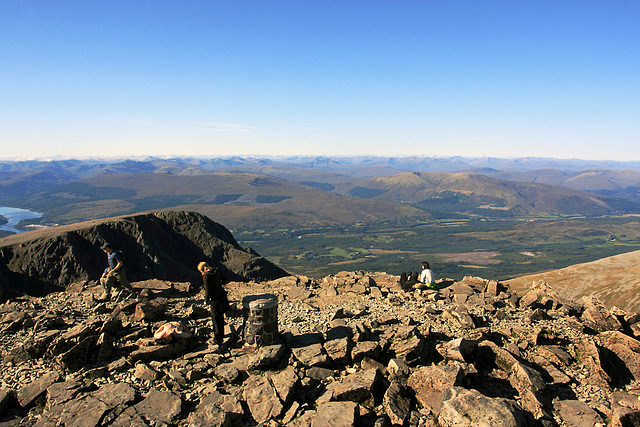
(354, 349)
(165, 245)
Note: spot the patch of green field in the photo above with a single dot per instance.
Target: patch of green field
(339, 252)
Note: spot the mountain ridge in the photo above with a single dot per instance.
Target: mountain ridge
(165, 245)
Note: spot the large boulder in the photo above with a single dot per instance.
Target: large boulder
(466, 408)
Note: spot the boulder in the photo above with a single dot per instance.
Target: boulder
(589, 358)
(459, 349)
(577, 413)
(469, 408)
(28, 393)
(285, 383)
(429, 382)
(598, 317)
(343, 414)
(397, 403)
(362, 386)
(625, 409)
(267, 356)
(216, 409)
(159, 406)
(262, 399)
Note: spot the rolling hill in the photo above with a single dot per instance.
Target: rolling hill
(617, 183)
(481, 195)
(614, 280)
(223, 196)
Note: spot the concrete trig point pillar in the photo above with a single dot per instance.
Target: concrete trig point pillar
(261, 319)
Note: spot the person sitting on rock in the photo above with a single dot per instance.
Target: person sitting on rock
(114, 273)
(407, 280)
(426, 277)
(413, 281)
(216, 296)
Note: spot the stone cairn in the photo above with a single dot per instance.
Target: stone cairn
(261, 324)
(354, 350)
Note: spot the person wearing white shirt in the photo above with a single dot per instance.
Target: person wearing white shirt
(426, 277)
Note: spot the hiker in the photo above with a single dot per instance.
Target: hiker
(216, 296)
(113, 273)
(407, 280)
(414, 281)
(426, 276)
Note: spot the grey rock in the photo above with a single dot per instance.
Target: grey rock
(397, 403)
(598, 317)
(398, 367)
(144, 372)
(362, 386)
(341, 414)
(524, 377)
(285, 383)
(625, 409)
(28, 393)
(459, 349)
(262, 399)
(469, 408)
(364, 349)
(267, 356)
(318, 373)
(62, 392)
(311, 355)
(161, 406)
(157, 352)
(429, 383)
(216, 409)
(577, 413)
(227, 372)
(339, 350)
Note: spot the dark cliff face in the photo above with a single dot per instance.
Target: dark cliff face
(165, 245)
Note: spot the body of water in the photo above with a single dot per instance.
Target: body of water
(14, 216)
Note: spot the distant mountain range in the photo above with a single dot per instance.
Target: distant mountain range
(300, 190)
(620, 179)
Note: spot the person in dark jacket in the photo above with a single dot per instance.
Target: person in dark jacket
(216, 296)
(114, 273)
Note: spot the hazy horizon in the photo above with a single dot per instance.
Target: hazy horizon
(498, 79)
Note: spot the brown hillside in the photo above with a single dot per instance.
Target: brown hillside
(614, 280)
(250, 197)
(521, 198)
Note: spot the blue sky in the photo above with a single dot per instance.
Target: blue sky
(436, 78)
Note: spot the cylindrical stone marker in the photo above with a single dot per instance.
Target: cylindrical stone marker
(261, 319)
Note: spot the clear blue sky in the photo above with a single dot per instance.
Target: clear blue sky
(437, 78)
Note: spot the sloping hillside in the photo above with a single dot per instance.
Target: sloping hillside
(614, 280)
(479, 194)
(617, 183)
(237, 194)
(159, 245)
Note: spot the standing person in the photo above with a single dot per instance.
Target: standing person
(113, 273)
(216, 296)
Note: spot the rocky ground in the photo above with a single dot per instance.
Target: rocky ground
(355, 350)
